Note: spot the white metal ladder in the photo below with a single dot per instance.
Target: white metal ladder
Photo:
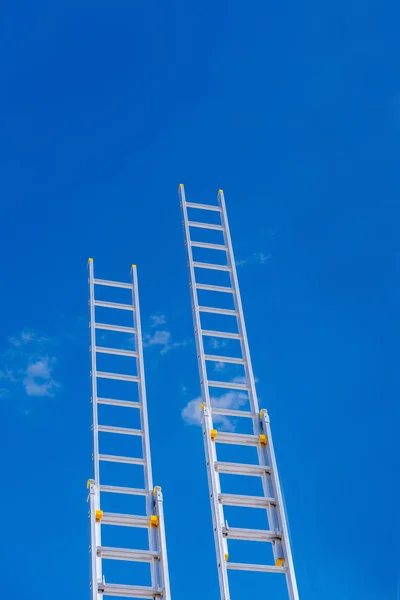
(153, 520)
(261, 438)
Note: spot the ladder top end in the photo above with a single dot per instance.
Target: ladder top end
(133, 266)
(220, 191)
(90, 260)
(181, 185)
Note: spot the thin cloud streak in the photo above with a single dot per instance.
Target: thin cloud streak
(258, 258)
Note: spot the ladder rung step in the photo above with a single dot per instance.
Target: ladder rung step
(121, 459)
(209, 246)
(122, 430)
(205, 225)
(118, 376)
(260, 568)
(203, 206)
(113, 305)
(214, 288)
(125, 520)
(127, 554)
(230, 385)
(254, 535)
(248, 501)
(218, 311)
(221, 334)
(241, 439)
(115, 327)
(114, 402)
(116, 489)
(212, 267)
(241, 469)
(117, 284)
(225, 359)
(104, 350)
(129, 591)
(231, 412)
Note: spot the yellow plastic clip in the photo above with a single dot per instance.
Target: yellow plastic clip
(213, 434)
(262, 411)
(99, 515)
(89, 481)
(90, 259)
(220, 191)
(201, 406)
(181, 185)
(226, 556)
(280, 562)
(133, 266)
(263, 439)
(154, 521)
(155, 490)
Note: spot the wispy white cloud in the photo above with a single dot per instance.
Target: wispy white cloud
(219, 366)
(38, 379)
(157, 320)
(257, 258)
(27, 362)
(216, 343)
(191, 413)
(162, 338)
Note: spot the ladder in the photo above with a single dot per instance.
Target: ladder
(265, 466)
(153, 519)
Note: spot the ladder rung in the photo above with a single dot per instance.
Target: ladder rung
(209, 246)
(114, 327)
(122, 430)
(225, 359)
(205, 225)
(231, 412)
(127, 554)
(214, 288)
(218, 311)
(121, 459)
(229, 385)
(221, 334)
(104, 350)
(212, 267)
(116, 489)
(203, 206)
(125, 520)
(241, 439)
(113, 305)
(260, 568)
(113, 402)
(254, 535)
(129, 591)
(117, 284)
(248, 501)
(118, 376)
(241, 469)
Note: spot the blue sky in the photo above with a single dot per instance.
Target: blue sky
(294, 110)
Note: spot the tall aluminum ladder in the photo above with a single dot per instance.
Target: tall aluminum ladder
(261, 438)
(153, 520)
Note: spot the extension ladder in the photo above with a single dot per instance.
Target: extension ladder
(265, 466)
(153, 519)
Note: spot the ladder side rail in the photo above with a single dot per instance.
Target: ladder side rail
(94, 496)
(157, 539)
(245, 349)
(213, 479)
(239, 309)
(159, 510)
(144, 422)
(142, 384)
(291, 576)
